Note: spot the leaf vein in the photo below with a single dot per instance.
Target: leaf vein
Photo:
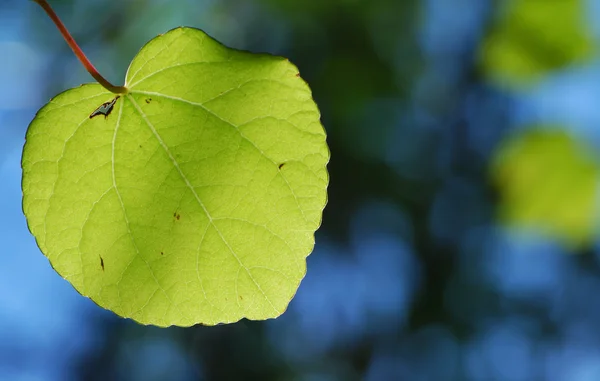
(198, 200)
(125, 212)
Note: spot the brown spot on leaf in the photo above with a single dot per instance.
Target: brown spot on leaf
(105, 108)
(161, 253)
(298, 75)
(148, 100)
(281, 165)
(241, 297)
(102, 263)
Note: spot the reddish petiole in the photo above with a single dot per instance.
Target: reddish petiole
(78, 52)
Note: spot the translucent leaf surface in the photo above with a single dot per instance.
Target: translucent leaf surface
(549, 181)
(196, 199)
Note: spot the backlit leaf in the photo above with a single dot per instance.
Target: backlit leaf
(196, 199)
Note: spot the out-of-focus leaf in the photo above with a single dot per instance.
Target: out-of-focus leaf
(532, 38)
(549, 181)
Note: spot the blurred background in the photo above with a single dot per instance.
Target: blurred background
(461, 240)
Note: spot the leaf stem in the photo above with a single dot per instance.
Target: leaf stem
(78, 52)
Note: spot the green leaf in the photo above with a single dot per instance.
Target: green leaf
(196, 199)
(549, 181)
(532, 38)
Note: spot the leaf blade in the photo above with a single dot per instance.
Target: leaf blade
(207, 205)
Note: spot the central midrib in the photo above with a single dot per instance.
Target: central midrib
(198, 200)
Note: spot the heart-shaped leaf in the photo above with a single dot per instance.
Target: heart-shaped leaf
(194, 197)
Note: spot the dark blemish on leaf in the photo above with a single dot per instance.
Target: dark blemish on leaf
(241, 297)
(102, 263)
(281, 165)
(105, 108)
(298, 75)
(178, 217)
(161, 253)
(148, 100)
